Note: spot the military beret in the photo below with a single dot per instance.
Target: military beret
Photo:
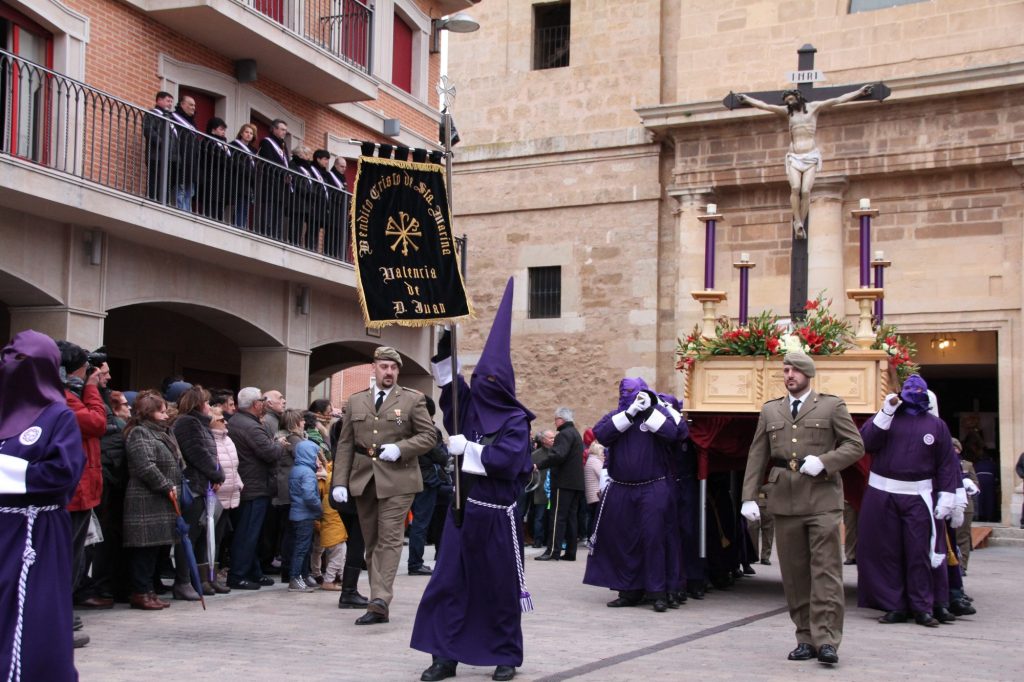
(387, 353)
(801, 362)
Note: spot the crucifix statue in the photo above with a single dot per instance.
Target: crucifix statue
(801, 106)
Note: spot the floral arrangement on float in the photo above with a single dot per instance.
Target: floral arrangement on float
(820, 333)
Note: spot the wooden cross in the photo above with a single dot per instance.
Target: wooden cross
(805, 77)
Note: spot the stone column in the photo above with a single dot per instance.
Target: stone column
(284, 369)
(78, 325)
(825, 249)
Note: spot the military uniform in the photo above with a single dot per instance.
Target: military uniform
(807, 510)
(383, 491)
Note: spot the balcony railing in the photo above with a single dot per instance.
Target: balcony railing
(342, 27)
(64, 125)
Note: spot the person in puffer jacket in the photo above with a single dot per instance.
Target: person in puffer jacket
(304, 511)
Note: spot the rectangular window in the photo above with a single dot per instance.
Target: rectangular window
(401, 61)
(551, 35)
(868, 5)
(545, 292)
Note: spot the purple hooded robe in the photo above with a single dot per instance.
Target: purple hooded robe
(471, 610)
(633, 547)
(897, 541)
(41, 460)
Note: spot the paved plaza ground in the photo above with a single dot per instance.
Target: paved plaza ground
(742, 634)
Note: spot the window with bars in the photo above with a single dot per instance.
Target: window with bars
(545, 292)
(551, 35)
(869, 5)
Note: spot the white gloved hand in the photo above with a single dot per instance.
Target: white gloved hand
(946, 504)
(457, 444)
(812, 466)
(970, 487)
(640, 403)
(750, 511)
(957, 519)
(603, 481)
(340, 494)
(390, 452)
(891, 402)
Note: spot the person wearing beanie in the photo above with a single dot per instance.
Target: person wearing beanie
(803, 441)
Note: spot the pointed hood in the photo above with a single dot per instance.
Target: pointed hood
(493, 385)
(30, 377)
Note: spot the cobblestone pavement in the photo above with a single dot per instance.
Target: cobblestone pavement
(741, 634)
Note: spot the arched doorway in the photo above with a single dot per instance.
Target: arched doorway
(345, 366)
(149, 342)
(15, 293)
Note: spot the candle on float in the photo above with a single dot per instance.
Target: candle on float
(744, 257)
(879, 255)
(865, 204)
(712, 209)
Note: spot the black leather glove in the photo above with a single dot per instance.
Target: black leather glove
(444, 347)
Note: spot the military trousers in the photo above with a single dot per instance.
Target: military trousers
(382, 521)
(811, 561)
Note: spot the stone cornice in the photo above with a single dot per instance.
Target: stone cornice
(584, 144)
(663, 117)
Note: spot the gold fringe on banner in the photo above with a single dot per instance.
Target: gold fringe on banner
(380, 324)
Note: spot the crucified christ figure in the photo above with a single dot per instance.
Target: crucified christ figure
(803, 161)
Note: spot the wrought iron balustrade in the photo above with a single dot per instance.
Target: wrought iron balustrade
(67, 126)
(342, 27)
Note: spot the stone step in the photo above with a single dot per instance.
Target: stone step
(1003, 536)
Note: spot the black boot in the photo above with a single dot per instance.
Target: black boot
(350, 597)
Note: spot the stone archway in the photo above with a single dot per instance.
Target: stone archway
(147, 342)
(16, 293)
(328, 359)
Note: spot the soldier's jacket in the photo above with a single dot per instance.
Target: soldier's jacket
(823, 428)
(403, 420)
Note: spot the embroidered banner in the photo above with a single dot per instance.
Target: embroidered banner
(405, 253)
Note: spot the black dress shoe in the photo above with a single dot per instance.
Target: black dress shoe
(893, 617)
(546, 556)
(376, 612)
(372, 618)
(422, 570)
(748, 570)
(827, 654)
(962, 607)
(696, 592)
(803, 652)
(673, 600)
(265, 581)
(850, 562)
(623, 601)
(243, 585)
(566, 557)
(943, 615)
(660, 605)
(438, 671)
(504, 672)
(926, 619)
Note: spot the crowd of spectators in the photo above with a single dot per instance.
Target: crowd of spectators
(298, 196)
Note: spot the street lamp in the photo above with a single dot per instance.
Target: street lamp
(460, 22)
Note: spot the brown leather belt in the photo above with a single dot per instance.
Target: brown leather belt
(791, 464)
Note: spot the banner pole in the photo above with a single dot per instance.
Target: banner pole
(457, 477)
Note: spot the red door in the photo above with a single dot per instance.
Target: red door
(24, 87)
(272, 8)
(204, 106)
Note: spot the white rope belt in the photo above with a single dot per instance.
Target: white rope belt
(525, 601)
(600, 510)
(28, 557)
(922, 489)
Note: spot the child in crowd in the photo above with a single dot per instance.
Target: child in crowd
(330, 539)
(305, 510)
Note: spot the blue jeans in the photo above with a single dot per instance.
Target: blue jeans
(183, 196)
(302, 539)
(242, 213)
(244, 562)
(422, 511)
(540, 515)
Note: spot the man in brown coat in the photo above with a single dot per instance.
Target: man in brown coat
(807, 439)
(385, 430)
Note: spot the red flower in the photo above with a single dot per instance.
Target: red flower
(811, 305)
(773, 345)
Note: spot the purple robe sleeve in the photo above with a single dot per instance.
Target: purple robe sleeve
(507, 456)
(667, 430)
(947, 465)
(874, 438)
(605, 431)
(57, 470)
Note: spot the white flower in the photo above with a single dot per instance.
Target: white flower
(793, 344)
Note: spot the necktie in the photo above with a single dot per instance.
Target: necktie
(380, 399)
(796, 407)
